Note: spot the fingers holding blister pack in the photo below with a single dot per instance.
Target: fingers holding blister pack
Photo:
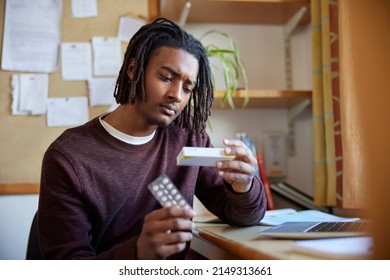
(167, 193)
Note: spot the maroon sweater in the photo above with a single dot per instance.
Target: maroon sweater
(94, 194)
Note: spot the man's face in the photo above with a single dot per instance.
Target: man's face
(170, 78)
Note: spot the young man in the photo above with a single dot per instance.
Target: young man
(94, 202)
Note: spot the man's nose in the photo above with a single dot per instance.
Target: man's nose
(176, 92)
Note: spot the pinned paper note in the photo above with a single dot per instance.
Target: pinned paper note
(32, 34)
(29, 94)
(67, 111)
(107, 56)
(76, 61)
(128, 26)
(84, 8)
(101, 91)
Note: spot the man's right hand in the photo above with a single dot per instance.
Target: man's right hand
(165, 232)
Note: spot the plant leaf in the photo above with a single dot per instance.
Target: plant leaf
(232, 67)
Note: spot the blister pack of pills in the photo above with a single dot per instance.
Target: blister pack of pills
(166, 192)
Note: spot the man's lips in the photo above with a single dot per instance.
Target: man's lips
(170, 109)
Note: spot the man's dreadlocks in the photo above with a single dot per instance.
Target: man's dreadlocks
(163, 32)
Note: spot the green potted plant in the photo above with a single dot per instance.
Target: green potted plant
(232, 66)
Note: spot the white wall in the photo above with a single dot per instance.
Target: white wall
(262, 50)
(16, 214)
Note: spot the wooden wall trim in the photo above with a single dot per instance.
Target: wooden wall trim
(19, 188)
(154, 9)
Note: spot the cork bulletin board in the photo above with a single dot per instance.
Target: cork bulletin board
(24, 139)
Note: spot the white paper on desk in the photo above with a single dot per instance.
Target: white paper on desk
(107, 56)
(76, 61)
(29, 94)
(67, 111)
(336, 248)
(128, 26)
(282, 211)
(32, 35)
(101, 91)
(84, 8)
(275, 219)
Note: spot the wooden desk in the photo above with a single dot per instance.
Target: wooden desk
(220, 241)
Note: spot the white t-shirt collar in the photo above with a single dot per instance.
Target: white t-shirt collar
(123, 136)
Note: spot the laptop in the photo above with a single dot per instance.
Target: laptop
(313, 230)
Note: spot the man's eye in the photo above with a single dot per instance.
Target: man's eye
(188, 90)
(165, 78)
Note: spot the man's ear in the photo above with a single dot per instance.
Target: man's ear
(130, 69)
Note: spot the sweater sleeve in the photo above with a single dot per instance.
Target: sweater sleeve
(236, 209)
